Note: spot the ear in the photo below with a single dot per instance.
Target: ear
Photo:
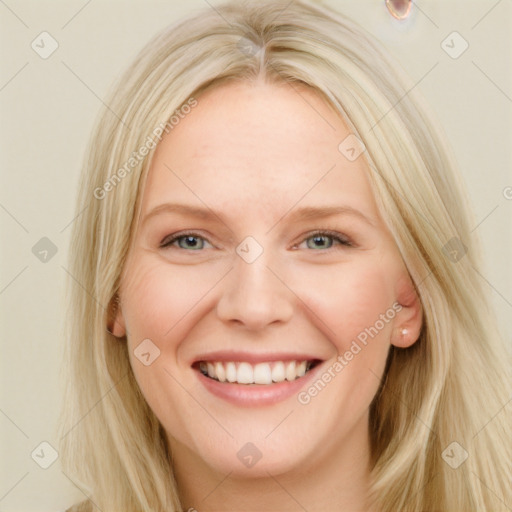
(116, 324)
(409, 319)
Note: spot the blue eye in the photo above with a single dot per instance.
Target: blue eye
(322, 240)
(326, 240)
(185, 241)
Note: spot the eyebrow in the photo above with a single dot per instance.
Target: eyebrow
(304, 213)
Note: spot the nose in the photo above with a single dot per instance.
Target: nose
(255, 295)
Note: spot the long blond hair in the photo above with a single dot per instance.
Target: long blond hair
(449, 387)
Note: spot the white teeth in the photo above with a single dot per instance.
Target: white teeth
(260, 373)
(301, 369)
(220, 371)
(278, 374)
(230, 372)
(290, 371)
(245, 375)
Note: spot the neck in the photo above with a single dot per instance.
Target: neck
(337, 480)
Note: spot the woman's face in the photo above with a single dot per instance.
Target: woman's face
(260, 258)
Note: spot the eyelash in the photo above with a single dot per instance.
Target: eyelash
(342, 240)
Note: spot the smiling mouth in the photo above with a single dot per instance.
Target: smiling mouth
(261, 373)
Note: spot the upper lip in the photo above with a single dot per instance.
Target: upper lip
(252, 357)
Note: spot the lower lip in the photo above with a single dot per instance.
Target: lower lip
(252, 395)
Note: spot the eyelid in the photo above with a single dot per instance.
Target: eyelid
(171, 238)
(342, 239)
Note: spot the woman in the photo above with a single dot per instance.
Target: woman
(275, 275)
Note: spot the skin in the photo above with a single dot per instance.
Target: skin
(255, 153)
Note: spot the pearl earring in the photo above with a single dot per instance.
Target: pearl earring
(404, 332)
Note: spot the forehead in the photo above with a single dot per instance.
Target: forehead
(258, 146)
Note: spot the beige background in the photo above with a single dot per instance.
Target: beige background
(47, 110)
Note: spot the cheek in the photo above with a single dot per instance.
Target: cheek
(159, 304)
(160, 296)
(346, 302)
(356, 303)
(351, 299)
